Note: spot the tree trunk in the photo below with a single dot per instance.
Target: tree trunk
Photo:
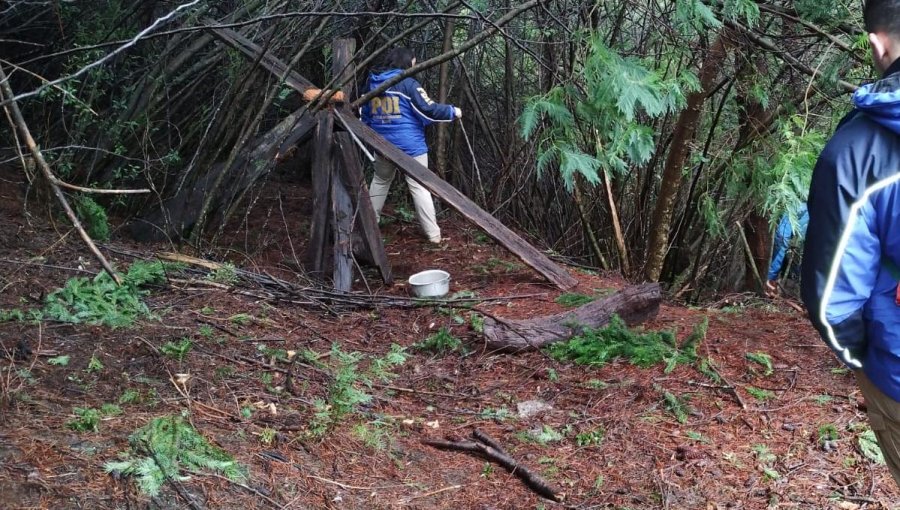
(440, 163)
(678, 154)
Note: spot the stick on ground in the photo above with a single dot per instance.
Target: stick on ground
(489, 449)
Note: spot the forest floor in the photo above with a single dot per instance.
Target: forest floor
(788, 437)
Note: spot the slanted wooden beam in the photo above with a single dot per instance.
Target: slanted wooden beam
(350, 169)
(492, 226)
(270, 62)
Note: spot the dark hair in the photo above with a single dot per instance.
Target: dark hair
(397, 58)
(882, 16)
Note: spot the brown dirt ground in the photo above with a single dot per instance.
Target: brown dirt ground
(646, 459)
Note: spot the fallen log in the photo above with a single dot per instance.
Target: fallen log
(634, 305)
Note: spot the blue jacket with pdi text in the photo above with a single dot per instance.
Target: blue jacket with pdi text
(401, 113)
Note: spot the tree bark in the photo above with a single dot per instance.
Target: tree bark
(440, 163)
(679, 152)
(634, 305)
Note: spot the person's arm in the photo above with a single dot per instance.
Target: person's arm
(842, 254)
(426, 109)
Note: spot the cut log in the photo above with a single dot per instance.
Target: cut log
(634, 305)
(492, 226)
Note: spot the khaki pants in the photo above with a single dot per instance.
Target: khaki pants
(381, 185)
(884, 417)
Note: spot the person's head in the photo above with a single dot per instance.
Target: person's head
(882, 18)
(398, 58)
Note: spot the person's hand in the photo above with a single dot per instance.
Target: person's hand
(457, 113)
(771, 288)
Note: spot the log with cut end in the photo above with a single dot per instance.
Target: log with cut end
(634, 305)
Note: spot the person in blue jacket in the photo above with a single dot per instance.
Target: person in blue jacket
(400, 115)
(782, 242)
(849, 274)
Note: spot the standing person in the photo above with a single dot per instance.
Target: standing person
(850, 264)
(400, 115)
(784, 234)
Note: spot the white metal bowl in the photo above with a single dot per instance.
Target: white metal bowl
(431, 283)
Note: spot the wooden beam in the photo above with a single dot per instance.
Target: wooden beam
(341, 225)
(493, 227)
(293, 79)
(341, 208)
(350, 169)
(321, 181)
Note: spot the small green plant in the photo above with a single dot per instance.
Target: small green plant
(374, 435)
(225, 274)
(380, 368)
(597, 384)
(86, 420)
(164, 447)
(60, 361)
(94, 365)
(439, 343)
(572, 300)
(552, 375)
(766, 460)
(696, 436)
(590, 438)
(241, 319)
(499, 414)
(130, 396)
(763, 359)
(12, 315)
(206, 331)
(223, 372)
(616, 340)
(477, 322)
(760, 394)
(345, 392)
(827, 432)
(707, 367)
(823, 399)
(177, 350)
(93, 217)
(676, 406)
(110, 410)
(763, 454)
(487, 470)
(868, 446)
(101, 301)
(543, 436)
(267, 436)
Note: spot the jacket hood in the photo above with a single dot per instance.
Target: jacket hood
(881, 100)
(377, 78)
